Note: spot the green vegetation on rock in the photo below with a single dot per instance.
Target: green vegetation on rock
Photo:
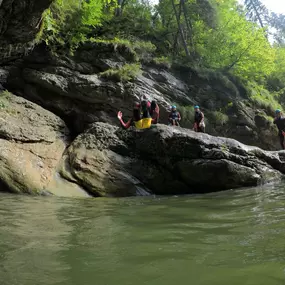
(127, 72)
(4, 100)
(214, 34)
(216, 38)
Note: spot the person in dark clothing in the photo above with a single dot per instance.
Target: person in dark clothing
(279, 121)
(199, 124)
(136, 116)
(146, 98)
(154, 112)
(174, 117)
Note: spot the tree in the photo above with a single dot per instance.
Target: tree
(277, 22)
(68, 22)
(180, 29)
(257, 12)
(237, 45)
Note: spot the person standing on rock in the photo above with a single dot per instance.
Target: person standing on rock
(174, 117)
(199, 123)
(154, 112)
(141, 118)
(279, 121)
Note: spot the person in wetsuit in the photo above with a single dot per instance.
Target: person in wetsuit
(199, 124)
(279, 121)
(154, 112)
(174, 117)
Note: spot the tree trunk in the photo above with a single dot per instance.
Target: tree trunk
(119, 8)
(175, 42)
(188, 23)
(180, 29)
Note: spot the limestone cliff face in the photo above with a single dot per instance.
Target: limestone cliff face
(20, 20)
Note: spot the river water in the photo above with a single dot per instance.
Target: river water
(232, 237)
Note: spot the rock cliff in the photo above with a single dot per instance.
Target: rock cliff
(19, 24)
(74, 89)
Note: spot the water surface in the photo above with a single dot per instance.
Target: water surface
(226, 238)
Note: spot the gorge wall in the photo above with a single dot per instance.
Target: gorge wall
(58, 125)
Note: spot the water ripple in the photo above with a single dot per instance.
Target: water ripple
(232, 237)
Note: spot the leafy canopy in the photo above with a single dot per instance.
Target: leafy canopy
(68, 22)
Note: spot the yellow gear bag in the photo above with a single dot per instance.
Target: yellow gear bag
(144, 123)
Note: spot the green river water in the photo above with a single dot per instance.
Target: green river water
(226, 238)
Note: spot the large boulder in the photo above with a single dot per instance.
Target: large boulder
(108, 161)
(97, 160)
(32, 142)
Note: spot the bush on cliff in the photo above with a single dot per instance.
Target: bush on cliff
(127, 72)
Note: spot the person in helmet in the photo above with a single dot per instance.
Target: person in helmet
(174, 117)
(279, 121)
(147, 99)
(199, 123)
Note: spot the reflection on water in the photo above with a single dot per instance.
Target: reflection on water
(233, 237)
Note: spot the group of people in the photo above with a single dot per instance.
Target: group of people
(146, 114)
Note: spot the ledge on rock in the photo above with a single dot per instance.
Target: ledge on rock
(109, 161)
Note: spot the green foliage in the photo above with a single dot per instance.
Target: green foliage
(137, 47)
(68, 22)
(218, 118)
(237, 44)
(127, 72)
(275, 81)
(262, 98)
(132, 19)
(187, 114)
(162, 61)
(4, 99)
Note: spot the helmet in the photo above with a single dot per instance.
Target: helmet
(136, 105)
(144, 105)
(197, 107)
(173, 107)
(277, 111)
